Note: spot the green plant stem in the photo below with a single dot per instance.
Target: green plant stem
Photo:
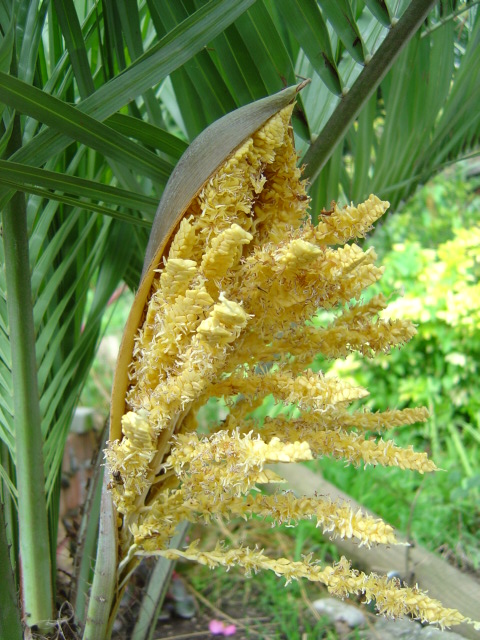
(104, 579)
(35, 564)
(345, 113)
(88, 535)
(451, 16)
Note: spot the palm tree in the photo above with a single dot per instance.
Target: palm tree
(98, 102)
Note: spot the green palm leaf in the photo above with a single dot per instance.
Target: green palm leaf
(23, 177)
(341, 17)
(164, 57)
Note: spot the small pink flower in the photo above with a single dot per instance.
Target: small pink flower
(230, 630)
(218, 628)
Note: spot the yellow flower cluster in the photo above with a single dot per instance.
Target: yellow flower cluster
(228, 317)
(390, 596)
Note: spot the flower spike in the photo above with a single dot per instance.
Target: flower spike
(233, 276)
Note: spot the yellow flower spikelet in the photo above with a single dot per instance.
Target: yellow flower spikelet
(391, 598)
(229, 316)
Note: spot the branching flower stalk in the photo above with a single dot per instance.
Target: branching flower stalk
(228, 315)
